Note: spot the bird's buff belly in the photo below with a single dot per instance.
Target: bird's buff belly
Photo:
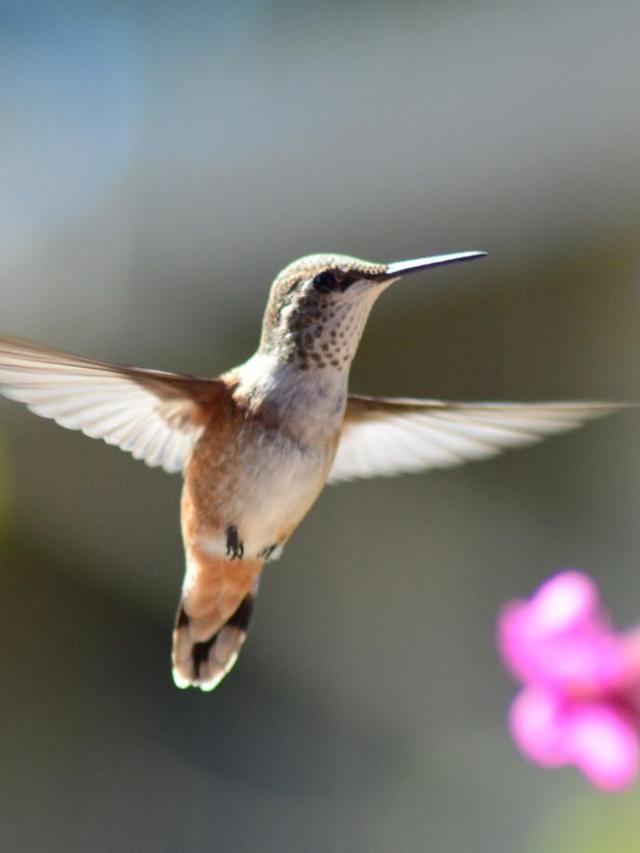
(259, 502)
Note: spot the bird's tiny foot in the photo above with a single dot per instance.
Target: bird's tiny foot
(235, 548)
(271, 552)
(267, 552)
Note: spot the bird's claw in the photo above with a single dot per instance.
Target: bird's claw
(235, 548)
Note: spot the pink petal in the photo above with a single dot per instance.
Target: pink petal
(581, 665)
(539, 726)
(602, 742)
(513, 639)
(631, 649)
(560, 639)
(568, 601)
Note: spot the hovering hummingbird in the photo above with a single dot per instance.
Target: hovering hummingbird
(257, 444)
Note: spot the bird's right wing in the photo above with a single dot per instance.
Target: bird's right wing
(156, 416)
(382, 437)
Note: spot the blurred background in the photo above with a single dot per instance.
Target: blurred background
(159, 163)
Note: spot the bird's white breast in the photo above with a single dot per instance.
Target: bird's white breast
(276, 483)
(287, 481)
(278, 469)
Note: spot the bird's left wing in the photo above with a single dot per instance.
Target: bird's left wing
(381, 437)
(156, 416)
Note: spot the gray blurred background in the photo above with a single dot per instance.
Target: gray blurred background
(159, 163)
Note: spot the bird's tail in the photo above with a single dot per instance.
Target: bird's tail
(210, 629)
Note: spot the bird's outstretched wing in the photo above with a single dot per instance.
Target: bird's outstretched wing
(156, 416)
(381, 437)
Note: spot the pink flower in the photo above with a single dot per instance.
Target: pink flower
(580, 703)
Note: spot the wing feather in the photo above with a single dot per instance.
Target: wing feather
(156, 416)
(383, 436)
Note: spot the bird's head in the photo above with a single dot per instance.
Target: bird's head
(319, 304)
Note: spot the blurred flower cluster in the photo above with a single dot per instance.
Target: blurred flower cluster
(580, 703)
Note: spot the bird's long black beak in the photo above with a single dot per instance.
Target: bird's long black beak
(398, 269)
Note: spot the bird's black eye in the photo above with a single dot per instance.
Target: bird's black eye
(324, 281)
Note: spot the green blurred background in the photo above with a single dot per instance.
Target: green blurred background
(160, 162)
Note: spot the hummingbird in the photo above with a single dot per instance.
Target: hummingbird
(257, 444)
